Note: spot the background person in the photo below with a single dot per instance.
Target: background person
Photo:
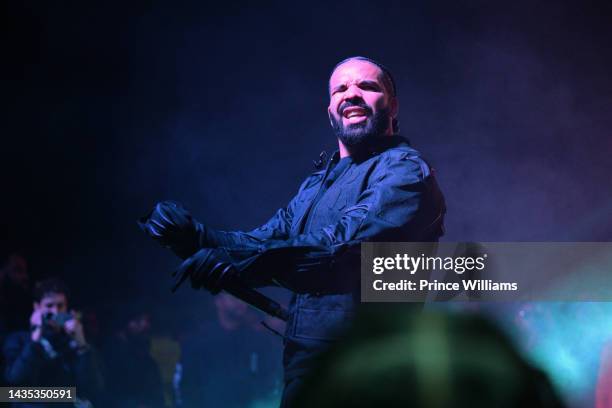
(55, 351)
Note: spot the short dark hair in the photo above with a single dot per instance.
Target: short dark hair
(387, 77)
(47, 286)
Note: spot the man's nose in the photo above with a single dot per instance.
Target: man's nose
(352, 92)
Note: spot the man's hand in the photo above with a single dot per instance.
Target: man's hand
(208, 268)
(74, 329)
(36, 325)
(173, 226)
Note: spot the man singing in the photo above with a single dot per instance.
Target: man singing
(374, 188)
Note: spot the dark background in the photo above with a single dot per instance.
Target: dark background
(112, 107)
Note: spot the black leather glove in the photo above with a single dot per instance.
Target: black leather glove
(172, 225)
(209, 268)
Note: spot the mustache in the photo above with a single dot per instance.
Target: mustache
(348, 104)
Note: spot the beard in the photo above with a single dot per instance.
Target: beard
(357, 134)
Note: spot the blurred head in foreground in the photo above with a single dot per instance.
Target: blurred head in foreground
(399, 359)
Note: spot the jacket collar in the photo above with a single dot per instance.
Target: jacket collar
(371, 148)
(377, 145)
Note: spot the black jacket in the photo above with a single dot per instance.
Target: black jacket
(311, 246)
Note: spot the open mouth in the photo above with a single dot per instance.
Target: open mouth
(354, 112)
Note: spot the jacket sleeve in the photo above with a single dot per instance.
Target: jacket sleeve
(24, 360)
(397, 204)
(277, 228)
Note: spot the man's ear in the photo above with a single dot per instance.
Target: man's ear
(394, 107)
(36, 305)
(329, 115)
